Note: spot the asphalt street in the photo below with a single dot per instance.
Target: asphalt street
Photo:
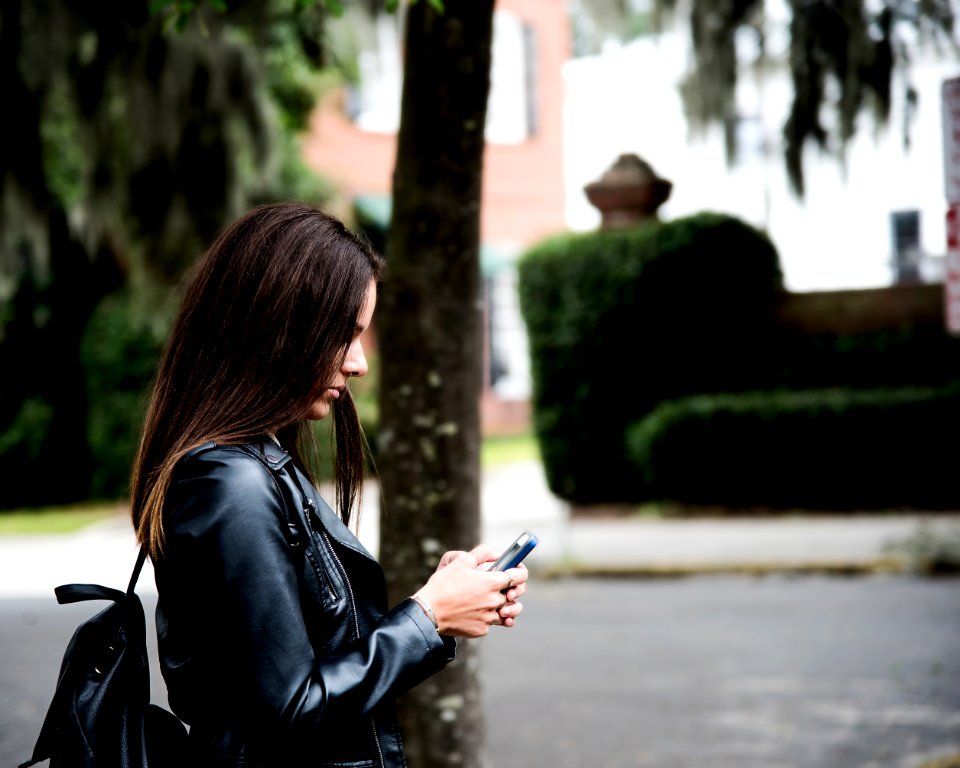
(728, 672)
(708, 671)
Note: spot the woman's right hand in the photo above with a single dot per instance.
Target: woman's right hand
(467, 600)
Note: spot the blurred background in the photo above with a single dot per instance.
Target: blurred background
(718, 250)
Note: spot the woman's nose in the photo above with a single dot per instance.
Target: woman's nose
(356, 362)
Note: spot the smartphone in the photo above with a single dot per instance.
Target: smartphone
(513, 554)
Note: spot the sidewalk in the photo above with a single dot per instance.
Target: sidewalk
(515, 497)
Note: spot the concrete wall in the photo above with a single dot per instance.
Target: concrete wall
(867, 309)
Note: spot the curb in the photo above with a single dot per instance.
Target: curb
(880, 566)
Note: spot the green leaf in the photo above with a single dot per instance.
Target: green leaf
(437, 5)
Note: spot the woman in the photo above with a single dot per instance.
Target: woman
(276, 642)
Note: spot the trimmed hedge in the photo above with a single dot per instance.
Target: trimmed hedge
(653, 334)
(621, 320)
(839, 448)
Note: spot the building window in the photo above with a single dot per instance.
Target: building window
(511, 107)
(373, 104)
(907, 253)
(508, 362)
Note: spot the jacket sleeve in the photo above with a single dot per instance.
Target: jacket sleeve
(224, 528)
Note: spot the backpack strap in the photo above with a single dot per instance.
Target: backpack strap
(141, 559)
(75, 593)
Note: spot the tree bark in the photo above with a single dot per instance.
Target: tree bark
(431, 331)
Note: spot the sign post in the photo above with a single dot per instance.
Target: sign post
(951, 184)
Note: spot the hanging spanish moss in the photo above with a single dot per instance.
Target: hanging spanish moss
(841, 60)
(835, 42)
(709, 91)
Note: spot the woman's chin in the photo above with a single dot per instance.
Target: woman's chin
(319, 410)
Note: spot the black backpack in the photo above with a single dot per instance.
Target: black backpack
(101, 715)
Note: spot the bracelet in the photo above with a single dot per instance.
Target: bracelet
(426, 609)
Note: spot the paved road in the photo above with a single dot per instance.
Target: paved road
(709, 671)
(729, 672)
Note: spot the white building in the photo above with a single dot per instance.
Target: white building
(840, 235)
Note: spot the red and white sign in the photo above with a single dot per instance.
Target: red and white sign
(951, 139)
(951, 185)
(952, 281)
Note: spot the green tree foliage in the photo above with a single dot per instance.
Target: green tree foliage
(134, 131)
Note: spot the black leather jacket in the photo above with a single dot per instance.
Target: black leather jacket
(275, 640)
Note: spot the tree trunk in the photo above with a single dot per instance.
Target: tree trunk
(430, 326)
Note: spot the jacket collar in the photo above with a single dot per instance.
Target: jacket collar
(278, 459)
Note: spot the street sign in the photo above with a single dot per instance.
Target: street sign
(952, 281)
(951, 185)
(950, 91)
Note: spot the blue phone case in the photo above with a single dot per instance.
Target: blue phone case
(515, 553)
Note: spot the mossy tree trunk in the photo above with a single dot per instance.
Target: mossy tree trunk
(430, 326)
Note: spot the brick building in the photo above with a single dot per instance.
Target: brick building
(352, 141)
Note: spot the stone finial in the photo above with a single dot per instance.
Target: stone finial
(628, 193)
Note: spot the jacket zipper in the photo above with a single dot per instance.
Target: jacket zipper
(356, 624)
(317, 528)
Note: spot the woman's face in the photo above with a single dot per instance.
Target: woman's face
(354, 364)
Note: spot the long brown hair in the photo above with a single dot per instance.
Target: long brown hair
(264, 325)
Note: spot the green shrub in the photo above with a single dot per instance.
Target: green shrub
(29, 430)
(898, 356)
(121, 348)
(838, 448)
(619, 321)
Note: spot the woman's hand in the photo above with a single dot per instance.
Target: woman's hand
(468, 599)
(511, 608)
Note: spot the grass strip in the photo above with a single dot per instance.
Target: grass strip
(48, 520)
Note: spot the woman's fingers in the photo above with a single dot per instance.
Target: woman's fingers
(449, 557)
(515, 593)
(509, 612)
(516, 582)
(483, 553)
